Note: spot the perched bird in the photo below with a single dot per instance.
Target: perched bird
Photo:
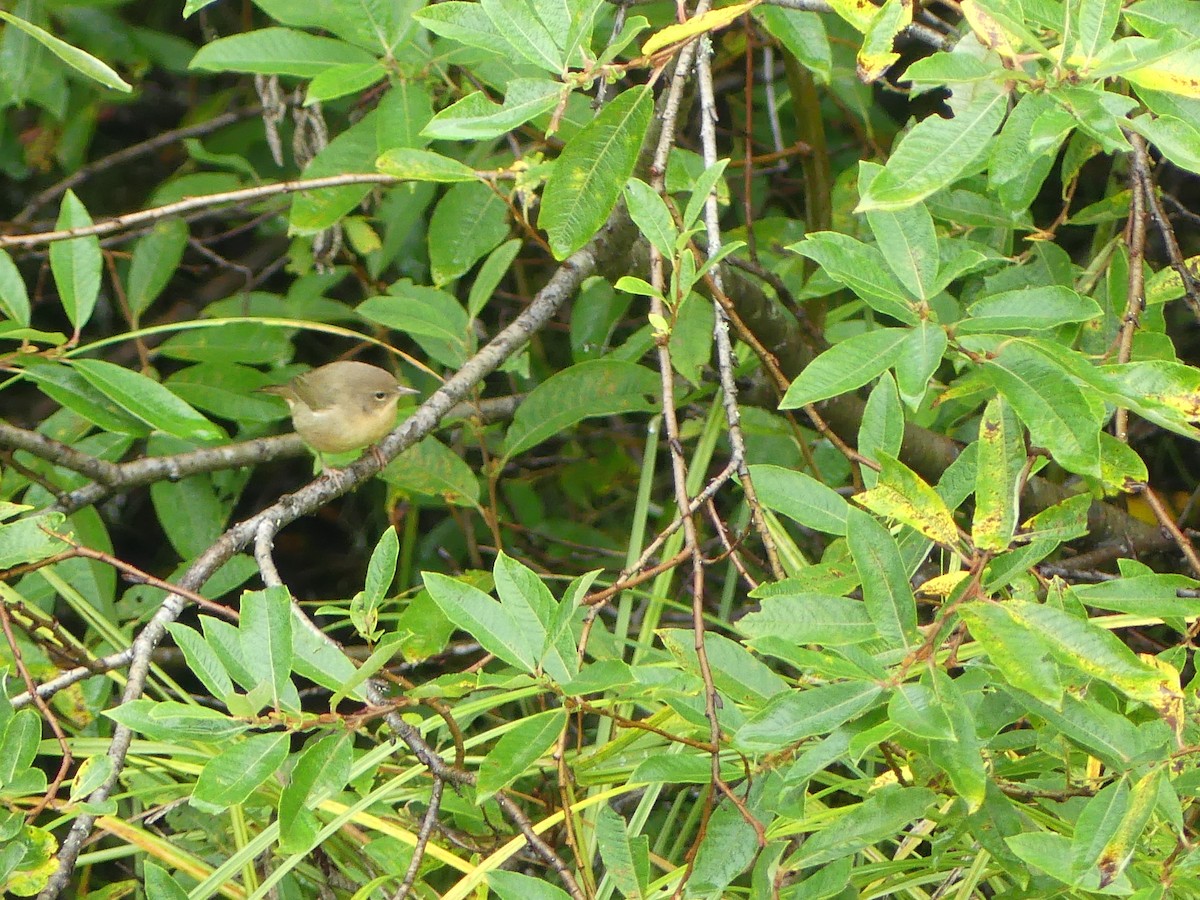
(342, 406)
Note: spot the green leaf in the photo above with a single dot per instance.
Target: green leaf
(26, 540)
(1022, 655)
(861, 268)
(202, 661)
(800, 497)
(917, 709)
(433, 469)
(467, 223)
(171, 721)
(886, 590)
(626, 856)
(1080, 645)
(156, 256)
(147, 400)
(882, 816)
(906, 239)
(277, 51)
(809, 618)
(598, 387)
(515, 886)
(919, 359)
(591, 171)
(846, 366)
(265, 631)
(226, 342)
(518, 750)
(526, 599)
(19, 744)
(736, 673)
(466, 23)
(802, 33)
(525, 33)
(76, 263)
(649, 212)
(997, 477)
(476, 118)
(1158, 595)
(77, 59)
(936, 152)
(691, 339)
(423, 165)
(882, 427)
(1028, 309)
(14, 300)
(160, 885)
(322, 769)
(794, 715)
(232, 775)
(430, 316)
(490, 623)
(1053, 408)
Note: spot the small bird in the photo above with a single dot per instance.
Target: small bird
(342, 406)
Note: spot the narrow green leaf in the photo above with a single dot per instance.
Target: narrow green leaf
(809, 619)
(882, 816)
(1053, 408)
(597, 387)
(266, 637)
(936, 152)
(14, 300)
(201, 660)
(518, 750)
(1028, 309)
(77, 59)
(525, 33)
(886, 591)
(160, 885)
(882, 427)
(467, 223)
(800, 497)
(423, 165)
(919, 359)
(484, 619)
(905, 238)
(76, 263)
(626, 857)
(156, 256)
(476, 118)
(147, 400)
(321, 770)
(230, 777)
(796, 714)
(591, 171)
(277, 51)
(515, 886)
(845, 366)
(1021, 654)
(861, 268)
(651, 216)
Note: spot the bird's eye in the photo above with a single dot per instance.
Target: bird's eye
(381, 395)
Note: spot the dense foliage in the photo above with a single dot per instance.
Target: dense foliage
(800, 501)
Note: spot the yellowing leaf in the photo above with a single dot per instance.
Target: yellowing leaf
(858, 13)
(901, 494)
(710, 21)
(1178, 73)
(942, 585)
(988, 30)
